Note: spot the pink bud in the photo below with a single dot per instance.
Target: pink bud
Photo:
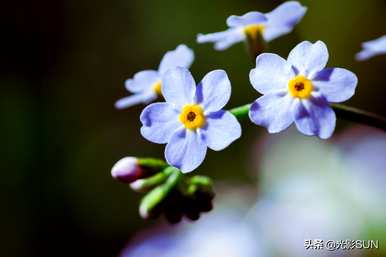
(127, 170)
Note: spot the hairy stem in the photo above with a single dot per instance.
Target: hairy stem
(342, 111)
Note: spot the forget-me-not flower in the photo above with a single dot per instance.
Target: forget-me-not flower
(299, 90)
(192, 118)
(372, 48)
(270, 26)
(146, 85)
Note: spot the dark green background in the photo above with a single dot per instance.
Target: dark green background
(63, 64)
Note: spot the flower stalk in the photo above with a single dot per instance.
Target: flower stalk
(256, 44)
(158, 194)
(152, 163)
(342, 111)
(360, 116)
(167, 191)
(146, 184)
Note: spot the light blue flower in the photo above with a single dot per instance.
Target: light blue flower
(191, 119)
(299, 90)
(146, 85)
(271, 25)
(372, 48)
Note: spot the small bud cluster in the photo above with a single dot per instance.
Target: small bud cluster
(190, 199)
(167, 190)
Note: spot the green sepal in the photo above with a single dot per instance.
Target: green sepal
(155, 197)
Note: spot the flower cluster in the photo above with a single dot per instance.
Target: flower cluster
(298, 90)
(167, 192)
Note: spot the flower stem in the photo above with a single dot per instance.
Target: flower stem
(344, 112)
(146, 184)
(360, 116)
(152, 163)
(151, 200)
(256, 45)
(241, 112)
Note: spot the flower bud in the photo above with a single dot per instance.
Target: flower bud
(127, 170)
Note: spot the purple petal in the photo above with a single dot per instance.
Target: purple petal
(186, 150)
(309, 58)
(140, 98)
(273, 111)
(283, 19)
(214, 91)
(223, 40)
(372, 48)
(159, 122)
(336, 84)
(221, 130)
(142, 81)
(246, 19)
(181, 57)
(178, 87)
(376, 44)
(272, 32)
(272, 73)
(314, 117)
(365, 55)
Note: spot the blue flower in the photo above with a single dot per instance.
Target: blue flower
(299, 89)
(146, 85)
(191, 119)
(372, 48)
(271, 25)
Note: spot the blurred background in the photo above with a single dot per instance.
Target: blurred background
(63, 65)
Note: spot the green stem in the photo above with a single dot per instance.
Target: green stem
(153, 164)
(344, 112)
(360, 116)
(241, 112)
(152, 199)
(146, 184)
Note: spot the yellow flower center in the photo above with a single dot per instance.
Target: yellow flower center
(157, 88)
(254, 30)
(300, 87)
(192, 116)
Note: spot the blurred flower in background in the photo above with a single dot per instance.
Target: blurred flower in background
(313, 190)
(146, 85)
(364, 152)
(308, 189)
(224, 232)
(270, 26)
(372, 48)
